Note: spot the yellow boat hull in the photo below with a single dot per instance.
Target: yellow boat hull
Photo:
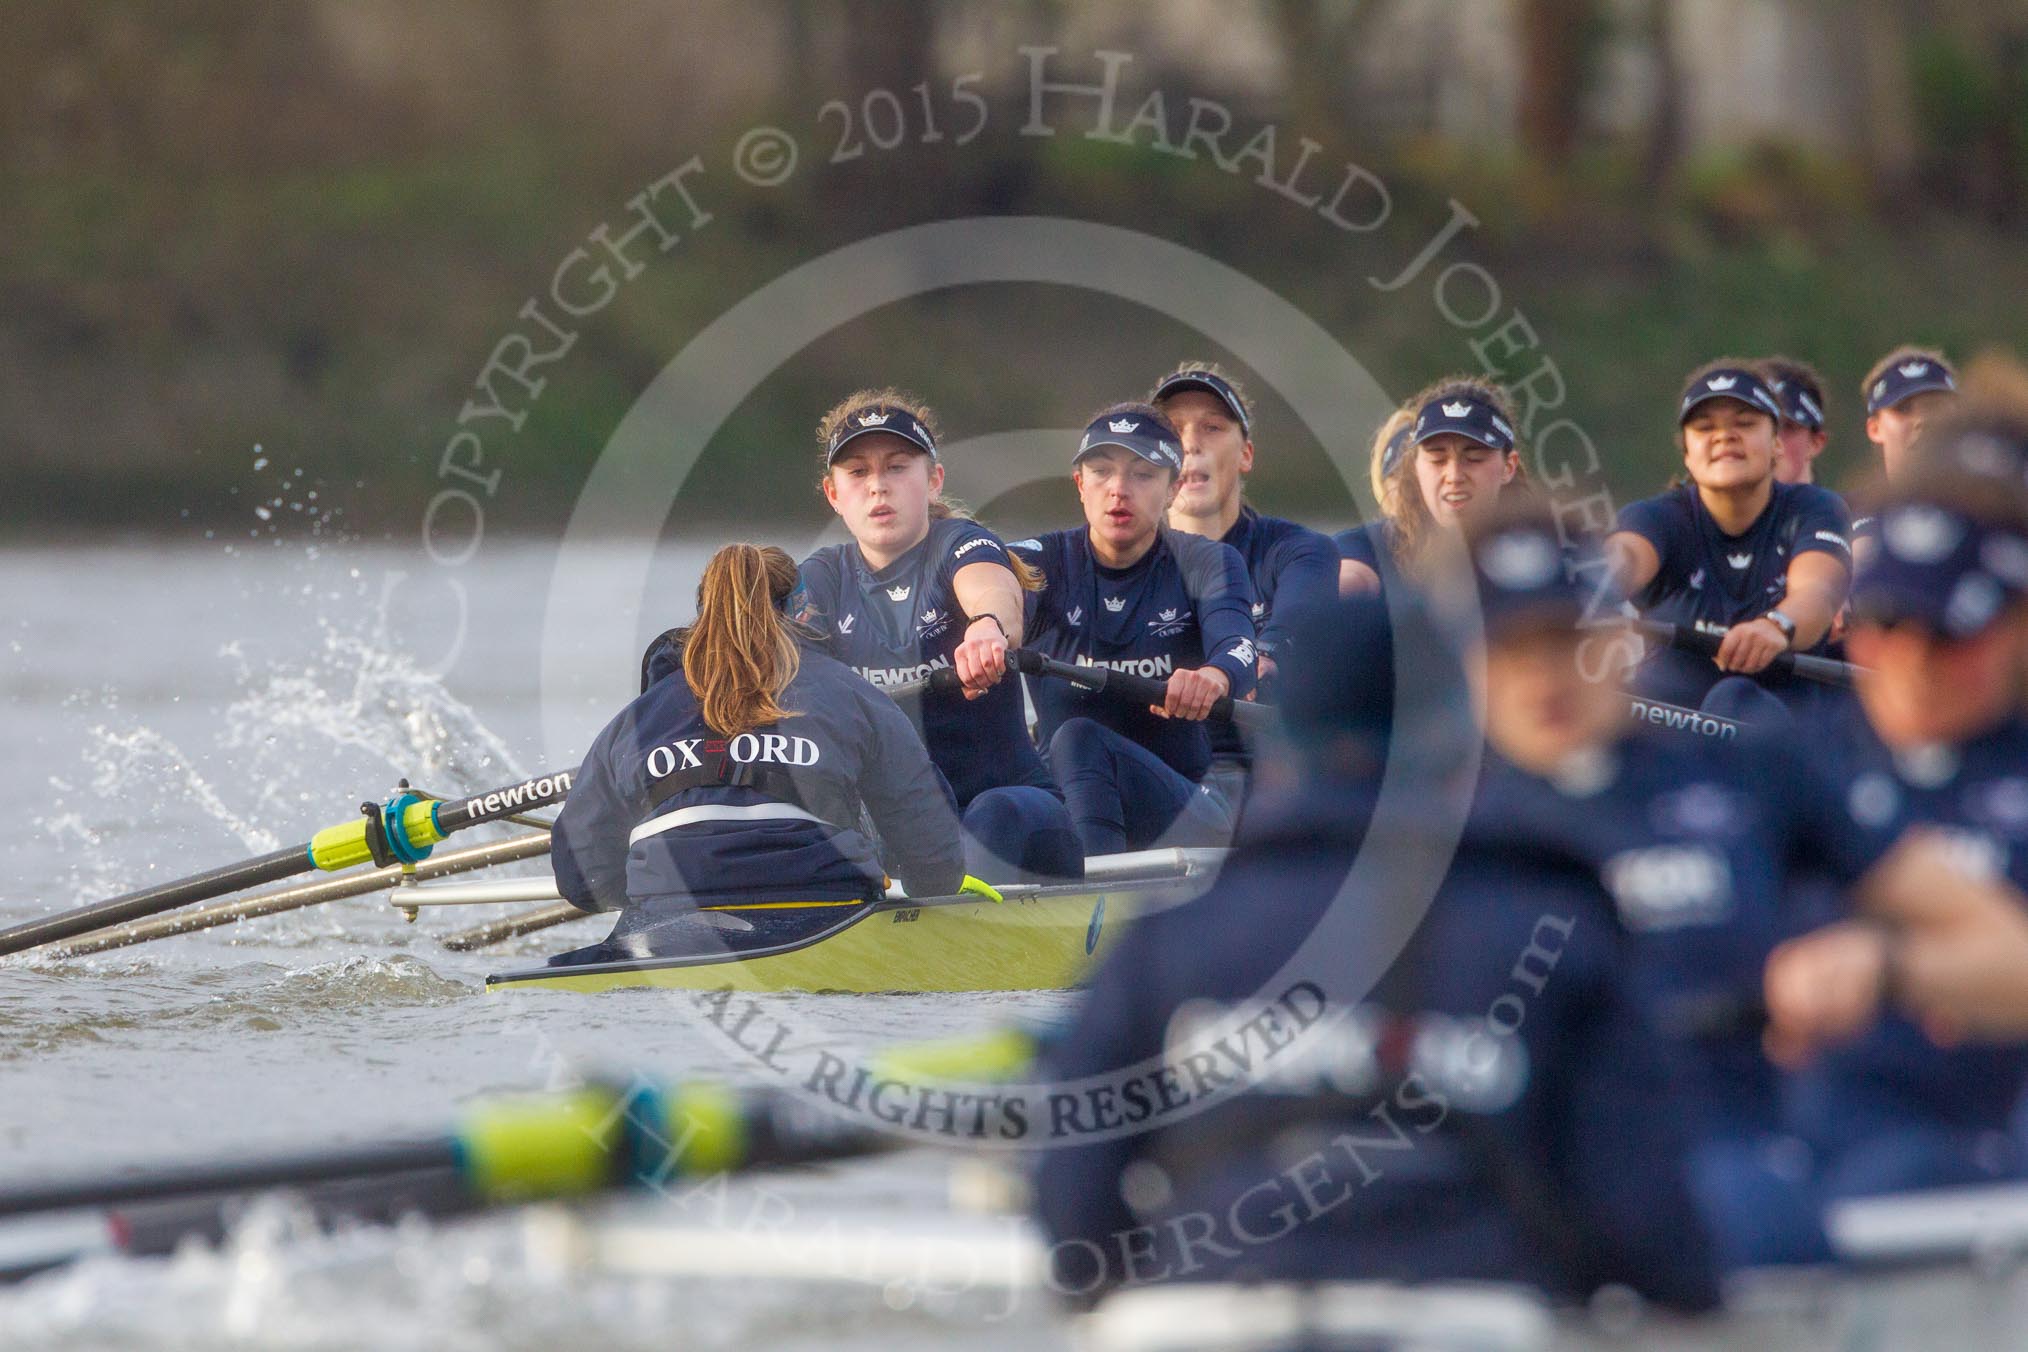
(1048, 941)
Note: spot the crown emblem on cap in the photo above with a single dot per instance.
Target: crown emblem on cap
(1519, 561)
(1457, 410)
(1920, 533)
(1122, 425)
(1721, 382)
(898, 592)
(874, 419)
(1913, 369)
(1116, 604)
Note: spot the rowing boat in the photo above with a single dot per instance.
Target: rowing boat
(1036, 937)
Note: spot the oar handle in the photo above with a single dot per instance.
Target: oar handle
(1823, 670)
(1131, 688)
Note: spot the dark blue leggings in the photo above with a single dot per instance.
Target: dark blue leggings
(1749, 703)
(1020, 833)
(1123, 796)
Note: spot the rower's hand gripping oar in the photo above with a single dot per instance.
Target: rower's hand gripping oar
(1132, 688)
(401, 831)
(1824, 670)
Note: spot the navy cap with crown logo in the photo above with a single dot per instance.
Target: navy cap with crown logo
(1213, 384)
(881, 418)
(1799, 406)
(1906, 379)
(1938, 565)
(1147, 437)
(1467, 415)
(1729, 382)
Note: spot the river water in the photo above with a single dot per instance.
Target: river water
(164, 710)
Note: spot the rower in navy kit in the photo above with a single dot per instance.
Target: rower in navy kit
(1940, 620)
(738, 775)
(1368, 540)
(922, 587)
(1906, 389)
(1125, 592)
(1289, 565)
(1459, 455)
(1734, 552)
(1805, 414)
(1495, 1108)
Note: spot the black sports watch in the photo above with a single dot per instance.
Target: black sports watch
(1783, 623)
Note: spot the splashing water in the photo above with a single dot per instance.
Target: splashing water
(367, 697)
(297, 748)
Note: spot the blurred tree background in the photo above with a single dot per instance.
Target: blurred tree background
(305, 224)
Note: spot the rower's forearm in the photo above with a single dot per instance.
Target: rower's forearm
(999, 597)
(1813, 609)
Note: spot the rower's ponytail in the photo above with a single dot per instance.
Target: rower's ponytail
(741, 653)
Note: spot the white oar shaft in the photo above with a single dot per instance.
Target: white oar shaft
(1135, 865)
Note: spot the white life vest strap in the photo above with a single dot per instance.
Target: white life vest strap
(719, 812)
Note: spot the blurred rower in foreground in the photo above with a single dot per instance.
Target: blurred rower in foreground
(738, 776)
(1700, 843)
(1311, 1078)
(1940, 620)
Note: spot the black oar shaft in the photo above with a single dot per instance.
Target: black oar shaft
(513, 927)
(338, 848)
(280, 1171)
(1136, 689)
(269, 868)
(1823, 670)
(314, 893)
